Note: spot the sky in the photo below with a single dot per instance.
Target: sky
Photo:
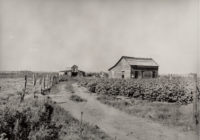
(50, 35)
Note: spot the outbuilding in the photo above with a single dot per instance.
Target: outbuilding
(72, 71)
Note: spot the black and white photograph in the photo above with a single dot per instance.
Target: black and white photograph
(99, 69)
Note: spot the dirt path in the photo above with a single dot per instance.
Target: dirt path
(112, 121)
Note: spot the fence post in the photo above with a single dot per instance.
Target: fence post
(44, 82)
(25, 82)
(47, 83)
(34, 84)
(196, 108)
(53, 80)
(41, 82)
(24, 90)
(81, 123)
(50, 81)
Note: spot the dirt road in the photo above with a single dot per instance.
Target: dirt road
(112, 121)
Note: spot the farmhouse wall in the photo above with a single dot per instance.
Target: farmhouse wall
(121, 69)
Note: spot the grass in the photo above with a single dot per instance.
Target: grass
(43, 119)
(172, 115)
(76, 98)
(11, 86)
(69, 86)
(39, 118)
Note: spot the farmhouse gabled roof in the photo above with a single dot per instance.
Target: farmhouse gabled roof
(137, 61)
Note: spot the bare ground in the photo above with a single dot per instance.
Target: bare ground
(115, 123)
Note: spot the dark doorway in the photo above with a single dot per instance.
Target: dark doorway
(74, 74)
(154, 74)
(136, 74)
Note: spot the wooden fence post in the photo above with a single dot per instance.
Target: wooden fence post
(44, 82)
(24, 90)
(81, 123)
(196, 108)
(50, 81)
(47, 82)
(41, 80)
(25, 82)
(34, 84)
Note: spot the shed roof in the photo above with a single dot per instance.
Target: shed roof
(137, 61)
(66, 69)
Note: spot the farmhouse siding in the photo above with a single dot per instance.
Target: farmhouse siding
(120, 70)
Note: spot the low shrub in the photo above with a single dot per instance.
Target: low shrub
(76, 98)
(28, 120)
(42, 119)
(64, 78)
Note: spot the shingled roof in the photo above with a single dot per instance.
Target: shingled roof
(137, 61)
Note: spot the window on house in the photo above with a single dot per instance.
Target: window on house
(122, 74)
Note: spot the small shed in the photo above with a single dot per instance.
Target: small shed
(72, 71)
(134, 67)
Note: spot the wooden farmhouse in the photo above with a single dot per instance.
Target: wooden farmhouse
(72, 71)
(133, 67)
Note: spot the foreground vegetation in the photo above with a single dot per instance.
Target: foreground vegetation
(43, 119)
(39, 117)
(29, 120)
